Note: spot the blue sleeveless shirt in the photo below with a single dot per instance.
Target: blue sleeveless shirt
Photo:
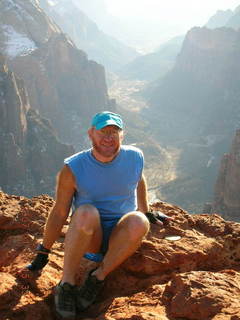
(110, 187)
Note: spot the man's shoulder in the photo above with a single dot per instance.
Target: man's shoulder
(77, 156)
(131, 149)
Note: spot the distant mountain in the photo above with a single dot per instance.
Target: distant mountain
(234, 20)
(196, 108)
(135, 31)
(227, 18)
(99, 47)
(31, 154)
(95, 9)
(154, 65)
(63, 85)
(219, 19)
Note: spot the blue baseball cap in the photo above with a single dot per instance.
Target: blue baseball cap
(107, 118)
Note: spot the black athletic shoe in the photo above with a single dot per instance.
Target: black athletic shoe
(87, 294)
(65, 300)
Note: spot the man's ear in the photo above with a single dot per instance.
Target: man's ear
(90, 130)
(122, 136)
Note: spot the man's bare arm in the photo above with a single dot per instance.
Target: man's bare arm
(142, 196)
(64, 193)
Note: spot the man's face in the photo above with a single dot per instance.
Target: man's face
(106, 142)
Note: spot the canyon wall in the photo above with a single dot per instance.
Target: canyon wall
(227, 188)
(63, 85)
(31, 153)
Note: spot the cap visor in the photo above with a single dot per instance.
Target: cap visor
(107, 123)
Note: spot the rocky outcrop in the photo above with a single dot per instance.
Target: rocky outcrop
(195, 108)
(63, 85)
(28, 141)
(196, 57)
(196, 277)
(227, 188)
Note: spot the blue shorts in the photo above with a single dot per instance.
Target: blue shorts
(107, 226)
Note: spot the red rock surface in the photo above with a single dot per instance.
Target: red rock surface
(196, 277)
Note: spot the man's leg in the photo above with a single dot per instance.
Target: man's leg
(84, 234)
(124, 241)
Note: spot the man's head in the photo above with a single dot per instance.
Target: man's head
(107, 118)
(106, 135)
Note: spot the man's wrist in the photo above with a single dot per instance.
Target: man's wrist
(151, 217)
(157, 216)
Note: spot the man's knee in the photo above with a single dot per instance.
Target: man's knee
(138, 225)
(86, 218)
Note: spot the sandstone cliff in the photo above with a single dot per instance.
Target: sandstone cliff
(27, 141)
(196, 277)
(196, 109)
(62, 83)
(227, 189)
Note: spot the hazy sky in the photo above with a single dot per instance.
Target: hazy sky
(184, 13)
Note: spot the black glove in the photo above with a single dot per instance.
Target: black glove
(40, 260)
(155, 216)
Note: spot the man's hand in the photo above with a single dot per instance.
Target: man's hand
(157, 217)
(40, 260)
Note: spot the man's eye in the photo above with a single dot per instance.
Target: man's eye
(111, 134)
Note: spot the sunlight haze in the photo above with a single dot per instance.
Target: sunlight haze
(162, 20)
(185, 14)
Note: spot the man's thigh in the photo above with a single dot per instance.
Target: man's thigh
(130, 222)
(131, 218)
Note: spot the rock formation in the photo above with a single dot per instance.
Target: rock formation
(227, 188)
(62, 83)
(28, 141)
(196, 277)
(195, 108)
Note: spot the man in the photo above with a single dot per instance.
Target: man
(108, 191)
